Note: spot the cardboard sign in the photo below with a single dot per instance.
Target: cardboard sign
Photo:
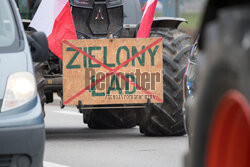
(118, 71)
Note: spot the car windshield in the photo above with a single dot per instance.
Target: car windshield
(7, 25)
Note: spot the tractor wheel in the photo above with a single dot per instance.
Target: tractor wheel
(222, 125)
(106, 119)
(40, 81)
(167, 119)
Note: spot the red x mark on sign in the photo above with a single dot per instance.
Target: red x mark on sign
(112, 71)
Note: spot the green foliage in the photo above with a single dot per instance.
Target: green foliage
(193, 19)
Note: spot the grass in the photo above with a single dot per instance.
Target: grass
(193, 21)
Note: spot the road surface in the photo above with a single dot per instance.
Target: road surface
(70, 143)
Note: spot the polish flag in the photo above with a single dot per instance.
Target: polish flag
(54, 18)
(147, 19)
(144, 7)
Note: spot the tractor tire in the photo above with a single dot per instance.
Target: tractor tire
(227, 50)
(166, 119)
(106, 119)
(40, 81)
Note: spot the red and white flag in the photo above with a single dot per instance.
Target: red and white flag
(147, 19)
(54, 18)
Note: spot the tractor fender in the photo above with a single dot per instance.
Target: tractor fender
(170, 22)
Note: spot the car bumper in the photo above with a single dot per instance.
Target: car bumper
(22, 137)
(22, 146)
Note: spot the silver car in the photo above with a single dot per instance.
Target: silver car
(22, 134)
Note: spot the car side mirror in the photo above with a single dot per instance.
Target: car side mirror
(38, 46)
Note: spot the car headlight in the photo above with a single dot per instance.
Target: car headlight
(20, 89)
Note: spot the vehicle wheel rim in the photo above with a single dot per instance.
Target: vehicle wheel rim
(229, 137)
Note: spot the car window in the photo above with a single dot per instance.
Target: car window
(9, 38)
(7, 25)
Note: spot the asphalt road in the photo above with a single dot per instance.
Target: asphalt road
(70, 143)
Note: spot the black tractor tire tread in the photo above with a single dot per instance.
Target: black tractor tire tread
(179, 76)
(162, 110)
(170, 62)
(180, 54)
(171, 48)
(118, 119)
(167, 119)
(170, 100)
(164, 34)
(171, 81)
(179, 39)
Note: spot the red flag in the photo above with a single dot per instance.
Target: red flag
(144, 7)
(147, 19)
(54, 18)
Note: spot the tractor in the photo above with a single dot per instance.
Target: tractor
(218, 114)
(121, 19)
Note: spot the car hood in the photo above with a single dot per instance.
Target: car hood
(9, 64)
